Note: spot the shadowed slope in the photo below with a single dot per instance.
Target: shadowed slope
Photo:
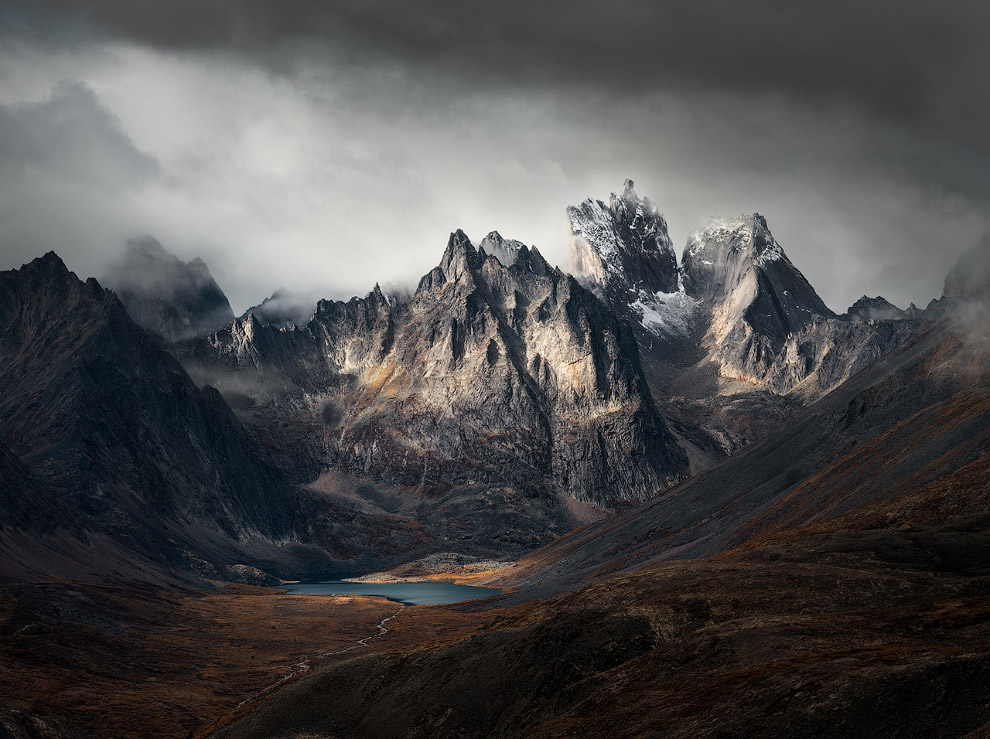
(109, 422)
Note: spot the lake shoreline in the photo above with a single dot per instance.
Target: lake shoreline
(440, 567)
(424, 593)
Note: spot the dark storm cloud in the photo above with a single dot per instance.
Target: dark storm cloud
(913, 61)
(66, 169)
(309, 143)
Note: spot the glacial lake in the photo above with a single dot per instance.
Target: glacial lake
(410, 593)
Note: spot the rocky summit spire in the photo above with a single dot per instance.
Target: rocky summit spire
(460, 256)
(623, 246)
(505, 250)
(737, 263)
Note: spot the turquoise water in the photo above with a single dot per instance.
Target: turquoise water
(411, 593)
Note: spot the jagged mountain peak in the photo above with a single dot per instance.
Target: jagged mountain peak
(879, 309)
(460, 257)
(97, 408)
(62, 293)
(505, 250)
(50, 268)
(741, 252)
(50, 260)
(174, 299)
(747, 236)
(462, 260)
(484, 366)
(624, 245)
(630, 206)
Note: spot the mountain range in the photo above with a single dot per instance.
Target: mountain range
(638, 421)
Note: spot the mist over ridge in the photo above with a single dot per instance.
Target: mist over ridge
(327, 148)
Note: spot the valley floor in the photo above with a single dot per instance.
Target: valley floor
(874, 623)
(130, 660)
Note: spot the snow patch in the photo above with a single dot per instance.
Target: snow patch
(669, 314)
(772, 252)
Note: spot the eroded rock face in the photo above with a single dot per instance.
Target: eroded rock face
(622, 251)
(764, 324)
(624, 244)
(489, 373)
(173, 299)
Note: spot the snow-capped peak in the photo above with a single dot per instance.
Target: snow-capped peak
(738, 233)
(624, 243)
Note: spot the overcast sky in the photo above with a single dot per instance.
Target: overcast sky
(324, 146)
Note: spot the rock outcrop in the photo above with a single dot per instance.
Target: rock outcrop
(880, 309)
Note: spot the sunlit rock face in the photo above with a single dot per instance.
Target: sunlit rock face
(623, 252)
(764, 324)
(490, 372)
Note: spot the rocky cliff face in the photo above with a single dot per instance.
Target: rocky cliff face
(764, 325)
(623, 252)
(733, 340)
(624, 244)
(174, 299)
(490, 373)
